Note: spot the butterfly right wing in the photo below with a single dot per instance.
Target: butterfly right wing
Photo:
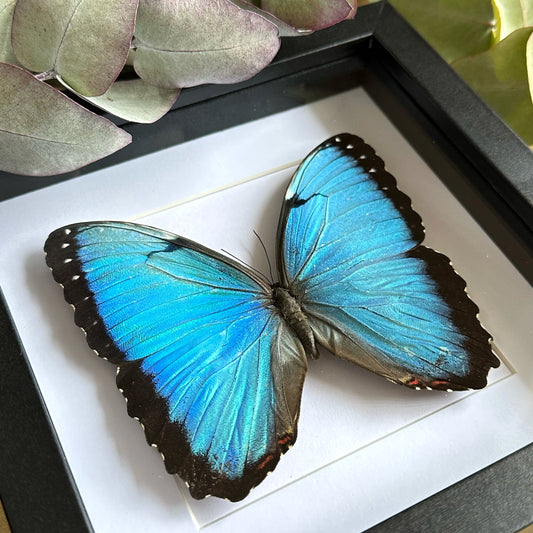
(205, 361)
(350, 251)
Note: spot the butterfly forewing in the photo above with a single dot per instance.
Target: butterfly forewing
(204, 358)
(350, 252)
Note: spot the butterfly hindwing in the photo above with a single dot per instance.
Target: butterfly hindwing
(204, 360)
(349, 247)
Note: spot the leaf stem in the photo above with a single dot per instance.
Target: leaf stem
(48, 75)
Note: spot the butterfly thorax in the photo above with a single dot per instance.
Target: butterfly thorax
(291, 311)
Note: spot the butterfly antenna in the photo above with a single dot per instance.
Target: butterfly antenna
(253, 269)
(267, 258)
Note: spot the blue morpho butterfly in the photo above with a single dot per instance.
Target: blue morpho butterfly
(212, 358)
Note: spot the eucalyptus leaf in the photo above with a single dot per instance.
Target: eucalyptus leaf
(182, 43)
(353, 9)
(6, 15)
(454, 28)
(500, 77)
(285, 30)
(85, 42)
(135, 100)
(43, 132)
(309, 14)
(512, 15)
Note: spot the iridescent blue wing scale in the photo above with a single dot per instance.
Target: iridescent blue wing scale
(204, 359)
(349, 250)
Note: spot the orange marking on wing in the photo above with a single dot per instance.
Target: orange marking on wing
(267, 460)
(437, 382)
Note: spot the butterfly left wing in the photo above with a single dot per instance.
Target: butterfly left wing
(204, 360)
(350, 252)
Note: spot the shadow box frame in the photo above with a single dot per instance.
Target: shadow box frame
(468, 146)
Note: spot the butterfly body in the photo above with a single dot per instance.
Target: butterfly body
(212, 358)
(292, 313)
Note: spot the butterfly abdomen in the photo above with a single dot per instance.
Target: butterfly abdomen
(291, 311)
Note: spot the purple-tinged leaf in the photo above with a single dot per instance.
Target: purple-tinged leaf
(85, 42)
(182, 43)
(134, 100)
(310, 14)
(285, 30)
(43, 132)
(353, 9)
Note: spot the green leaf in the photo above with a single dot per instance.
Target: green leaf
(42, 132)
(529, 63)
(500, 77)
(6, 15)
(135, 100)
(309, 14)
(512, 15)
(455, 28)
(85, 42)
(181, 43)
